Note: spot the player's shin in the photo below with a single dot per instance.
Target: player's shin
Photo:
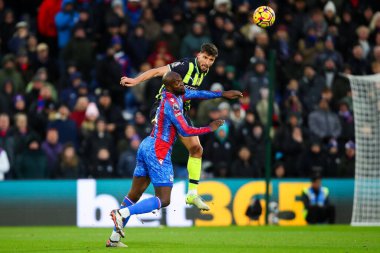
(143, 206)
(194, 167)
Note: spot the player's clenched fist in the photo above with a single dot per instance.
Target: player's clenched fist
(216, 124)
(126, 81)
(232, 94)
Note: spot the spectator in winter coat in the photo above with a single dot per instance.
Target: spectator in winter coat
(65, 21)
(347, 164)
(31, 164)
(52, 149)
(323, 123)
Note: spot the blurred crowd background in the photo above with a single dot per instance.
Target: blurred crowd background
(63, 113)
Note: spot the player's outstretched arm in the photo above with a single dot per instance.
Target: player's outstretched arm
(129, 82)
(203, 94)
(232, 94)
(172, 110)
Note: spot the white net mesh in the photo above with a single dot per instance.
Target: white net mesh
(366, 100)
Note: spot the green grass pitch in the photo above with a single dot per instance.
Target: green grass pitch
(319, 239)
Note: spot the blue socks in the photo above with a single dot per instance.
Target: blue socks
(145, 206)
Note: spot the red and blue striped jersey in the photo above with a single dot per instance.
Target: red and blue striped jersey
(170, 119)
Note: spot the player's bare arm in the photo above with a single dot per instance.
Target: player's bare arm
(232, 94)
(129, 82)
(216, 124)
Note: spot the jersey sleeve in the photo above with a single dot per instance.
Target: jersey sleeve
(174, 112)
(181, 67)
(201, 94)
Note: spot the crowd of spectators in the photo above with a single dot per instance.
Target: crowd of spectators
(63, 113)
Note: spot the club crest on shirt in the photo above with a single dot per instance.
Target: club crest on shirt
(175, 107)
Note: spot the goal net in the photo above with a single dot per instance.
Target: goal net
(366, 101)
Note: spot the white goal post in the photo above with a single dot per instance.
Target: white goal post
(366, 102)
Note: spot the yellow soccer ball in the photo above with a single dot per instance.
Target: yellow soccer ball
(264, 16)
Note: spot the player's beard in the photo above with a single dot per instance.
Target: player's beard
(180, 92)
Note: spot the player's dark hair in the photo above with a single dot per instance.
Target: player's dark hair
(209, 49)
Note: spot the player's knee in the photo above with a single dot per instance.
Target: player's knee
(165, 202)
(196, 151)
(133, 196)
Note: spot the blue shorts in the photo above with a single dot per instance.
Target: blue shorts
(160, 171)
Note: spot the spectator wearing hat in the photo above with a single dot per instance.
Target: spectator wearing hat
(19, 40)
(333, 159)
(52, 149)
(80, 50)
(116, 14)
(65, 21)
(329, 11)
(19, 104)
(9, 72)
(347, 161)
(237, 116)
(346, 119)
(31, 164)
(91, 115)
(122, 59)
(44, 60)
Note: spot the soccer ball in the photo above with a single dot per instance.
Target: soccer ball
(264, 16)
